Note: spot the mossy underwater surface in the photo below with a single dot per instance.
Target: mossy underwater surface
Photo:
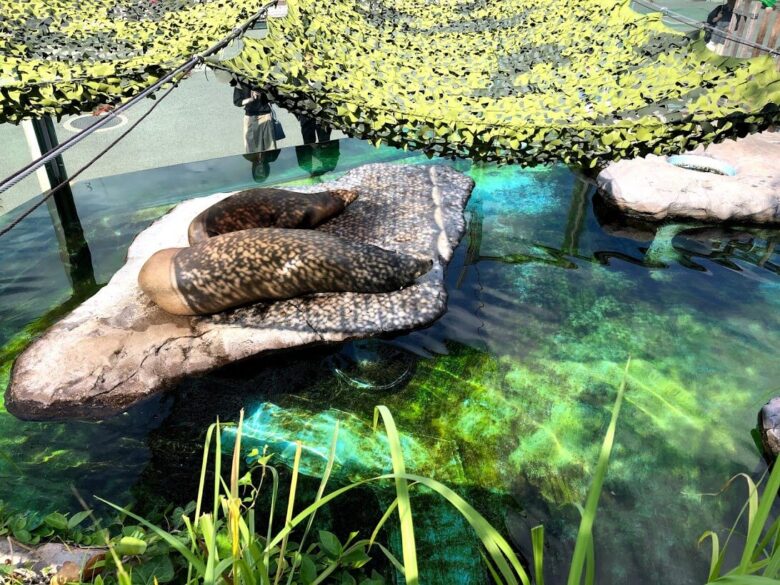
(506, 397)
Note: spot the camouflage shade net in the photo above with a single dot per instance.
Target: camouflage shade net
(66, 56)
(528, 81)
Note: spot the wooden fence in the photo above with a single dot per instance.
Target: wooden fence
(752, 21)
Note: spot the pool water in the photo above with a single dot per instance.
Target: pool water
(506, 397)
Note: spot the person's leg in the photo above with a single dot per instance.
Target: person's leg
(249, 130)
(323, 133)
(254, 134)
(308, 129)
(265, 133)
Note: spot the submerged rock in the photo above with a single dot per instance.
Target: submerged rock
(656, 189)
(769, 429)
(119, 348)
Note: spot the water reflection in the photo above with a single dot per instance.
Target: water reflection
(318, 158)
(261, 164)
(684, 242)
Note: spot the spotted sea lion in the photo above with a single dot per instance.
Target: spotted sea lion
(263, 264)
(268, 208)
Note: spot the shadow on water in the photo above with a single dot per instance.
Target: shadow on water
(506, 397)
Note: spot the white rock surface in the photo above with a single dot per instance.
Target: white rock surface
(119, 348)
(654, 189)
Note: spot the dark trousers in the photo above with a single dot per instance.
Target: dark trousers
(313, 132)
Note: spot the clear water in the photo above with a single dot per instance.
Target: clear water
(506, 397)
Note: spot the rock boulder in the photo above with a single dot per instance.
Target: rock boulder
(654, 189)
(119, 348)
(769, 429)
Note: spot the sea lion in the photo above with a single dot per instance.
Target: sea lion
(268, 208)
(264, 264)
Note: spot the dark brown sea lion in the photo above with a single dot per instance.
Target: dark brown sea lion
(264, 264)
(268, 208)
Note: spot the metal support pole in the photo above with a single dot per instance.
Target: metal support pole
(575, 222)
(74, 250)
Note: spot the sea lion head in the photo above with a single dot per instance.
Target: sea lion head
(346, 195)
(422, 266)
(407, 270)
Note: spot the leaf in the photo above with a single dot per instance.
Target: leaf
(356, 558)
(330, 544)
(24, 536)
(308, 569)
(130, 546)
(57, 521)
(78, 518)
(159, 568)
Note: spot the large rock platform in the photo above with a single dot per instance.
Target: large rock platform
(654, 189)
(119, 348)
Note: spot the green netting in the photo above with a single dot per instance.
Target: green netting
(66, 56)
(529, 81)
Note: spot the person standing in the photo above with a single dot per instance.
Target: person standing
(311, 131)
(258, 119)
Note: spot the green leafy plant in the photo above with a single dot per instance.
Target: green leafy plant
(30, 528)
(223, 545)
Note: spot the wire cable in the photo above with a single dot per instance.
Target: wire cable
(703, 25)
(30, 168)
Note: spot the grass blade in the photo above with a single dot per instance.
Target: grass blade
(391, 557)
(271, 512)
(491, 569)
(385, 517)
(585, 533)
(715, 556)
(408, 545)
(320, 491)
(761, 515)
(590, 565)
(236, 458)
(211, 543)
(324, 482)
(774, 566)
(203, 466)
(290, 508)
(744, 580)
(537, 543)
